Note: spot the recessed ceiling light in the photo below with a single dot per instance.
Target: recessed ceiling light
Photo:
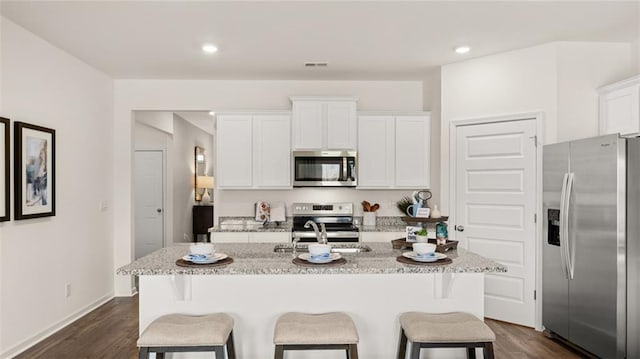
(209, 48)
(462, 49)
(211, 113)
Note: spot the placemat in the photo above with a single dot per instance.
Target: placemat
(302, 262)
(440, 262)
(223, 262)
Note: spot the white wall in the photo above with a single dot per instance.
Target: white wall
(559, 79)
(205, 95)
(45, 86)
(582, 68)
(431, 92)
(186, 136)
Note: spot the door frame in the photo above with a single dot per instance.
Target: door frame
(166, 210)
(538, 116)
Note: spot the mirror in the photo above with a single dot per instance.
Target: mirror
(200, 170)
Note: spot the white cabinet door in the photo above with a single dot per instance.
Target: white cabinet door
(620, 111)
(341, 125)
(412, 151)
(272, 151)
(376, 151)
(308, 128)
(234, 151)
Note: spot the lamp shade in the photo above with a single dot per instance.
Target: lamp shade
(204, 182)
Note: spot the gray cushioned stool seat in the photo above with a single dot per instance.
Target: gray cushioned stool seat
(304, 328)
(187, 331)
(445, 327)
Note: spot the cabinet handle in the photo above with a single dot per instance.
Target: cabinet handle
(459, 228)
(159, 210)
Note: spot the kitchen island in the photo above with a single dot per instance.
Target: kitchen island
(260, 285)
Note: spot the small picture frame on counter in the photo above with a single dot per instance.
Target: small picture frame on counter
(411, 233)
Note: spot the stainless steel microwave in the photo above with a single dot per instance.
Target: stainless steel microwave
(324, 169)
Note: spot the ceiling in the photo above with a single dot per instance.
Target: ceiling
(271, 40)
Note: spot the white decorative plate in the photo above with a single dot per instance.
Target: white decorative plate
(332, 257)
(412, 255)
(210, 259)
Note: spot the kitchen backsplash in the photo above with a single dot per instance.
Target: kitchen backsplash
(241, 203)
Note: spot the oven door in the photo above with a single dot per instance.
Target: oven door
(332, 237)
(324, 169)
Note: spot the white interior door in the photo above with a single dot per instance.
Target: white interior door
(495, 208)
(149, 198)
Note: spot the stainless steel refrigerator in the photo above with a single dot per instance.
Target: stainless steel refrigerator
(591, 250)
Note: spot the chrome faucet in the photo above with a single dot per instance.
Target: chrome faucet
(321, 234)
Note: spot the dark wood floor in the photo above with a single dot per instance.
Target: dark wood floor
(111, 331)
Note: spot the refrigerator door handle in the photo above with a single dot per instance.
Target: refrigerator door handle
(571, 249)
(563, 225)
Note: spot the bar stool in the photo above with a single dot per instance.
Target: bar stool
(445, 330)
(302, 331)
(188, 333)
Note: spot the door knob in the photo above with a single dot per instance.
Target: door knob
(459, 228)
(159, 210)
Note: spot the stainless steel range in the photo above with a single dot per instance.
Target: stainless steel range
(337, 217)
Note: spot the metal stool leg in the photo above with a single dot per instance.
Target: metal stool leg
(471, 353)
(159, 355)
(143, 353)
(231, 349)
(402, 345)
(219, 352)
(279, 354)
(353, 351)
(488, 350)
(415, 350)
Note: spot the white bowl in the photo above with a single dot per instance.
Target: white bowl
(201, 248)
(317, 249)
(424, 248)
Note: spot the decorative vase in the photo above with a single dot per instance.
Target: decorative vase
(435, 213)
(421, 239)
(205, 196)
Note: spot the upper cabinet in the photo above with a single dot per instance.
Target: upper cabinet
(620, 107)
(253, 151)
(393, 151)
(324, 123)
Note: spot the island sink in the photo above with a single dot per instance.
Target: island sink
(335, 247)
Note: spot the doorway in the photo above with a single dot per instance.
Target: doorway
(494, 204)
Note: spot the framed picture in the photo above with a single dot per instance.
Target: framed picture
(35, 171)
(423, 212)
(5, 209)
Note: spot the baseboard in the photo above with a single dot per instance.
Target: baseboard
(28, 343)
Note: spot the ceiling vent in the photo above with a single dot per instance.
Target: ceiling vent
(316, 64)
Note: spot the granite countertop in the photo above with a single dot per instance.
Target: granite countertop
(259, 258)
(248, 224)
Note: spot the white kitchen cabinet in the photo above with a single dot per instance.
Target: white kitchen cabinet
(412, 151)
(620, 107)
(376, 151)
(393, 151)
(272, 151)
(324, 123)
(234, 151)
(253, 151)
